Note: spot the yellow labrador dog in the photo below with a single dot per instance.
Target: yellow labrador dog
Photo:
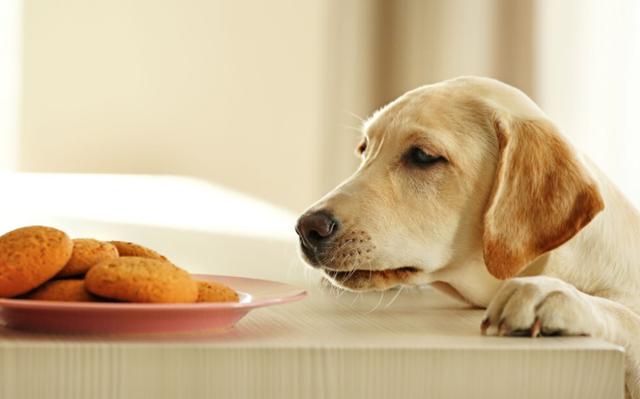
(467, 185)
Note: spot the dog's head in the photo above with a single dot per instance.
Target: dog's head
(462, 169)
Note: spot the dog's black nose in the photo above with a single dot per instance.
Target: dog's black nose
(314, 228)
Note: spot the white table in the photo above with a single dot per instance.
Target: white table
(330, 345)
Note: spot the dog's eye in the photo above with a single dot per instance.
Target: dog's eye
(362, 147)
(416, 156)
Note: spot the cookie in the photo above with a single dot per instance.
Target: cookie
(71, 290)
(211, 291)
(131, 249)
(29, 256)
(87, 253)
(136, 279)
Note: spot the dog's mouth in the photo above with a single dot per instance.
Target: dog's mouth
(398, 274)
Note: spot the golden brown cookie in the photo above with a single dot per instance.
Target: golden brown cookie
(29, 256)
(87, 253)
(131, 249)
(211, 291)
(71, 290)
(137, 279)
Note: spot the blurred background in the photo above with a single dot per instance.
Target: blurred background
(266, 97)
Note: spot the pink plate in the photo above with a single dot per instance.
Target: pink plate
(109, 317)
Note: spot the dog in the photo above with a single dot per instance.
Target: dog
(467, 185)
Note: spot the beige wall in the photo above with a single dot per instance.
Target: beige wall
(587, 78)
(10, 21)
(232, 91)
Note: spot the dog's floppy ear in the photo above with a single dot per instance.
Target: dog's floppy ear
(542, 195)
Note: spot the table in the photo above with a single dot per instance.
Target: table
(416, 343)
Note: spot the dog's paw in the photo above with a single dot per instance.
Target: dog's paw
(540, 305)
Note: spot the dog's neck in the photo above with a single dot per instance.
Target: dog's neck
(470, 279)
(606, 253)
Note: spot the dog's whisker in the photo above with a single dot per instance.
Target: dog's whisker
(394, 297)
(335, 251)
(358, 117)
(375, 155)
(293, 265)
(356, 129)
(377, 305)
(349, 275)
(307, 275)
(355, 299)
(340, 291)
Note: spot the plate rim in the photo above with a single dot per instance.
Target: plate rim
(299, 293)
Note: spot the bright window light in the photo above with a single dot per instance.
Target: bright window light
(163, 201)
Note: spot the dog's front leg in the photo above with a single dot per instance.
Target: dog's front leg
(544, 305)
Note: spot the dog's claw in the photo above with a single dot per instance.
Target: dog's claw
(535, 328)
(503, 328)
(484, 326)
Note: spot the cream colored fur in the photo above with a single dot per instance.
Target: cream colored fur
(437, 221)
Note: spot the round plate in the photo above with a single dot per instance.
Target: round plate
(110, 317)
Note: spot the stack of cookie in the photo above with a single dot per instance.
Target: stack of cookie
(43, 263)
